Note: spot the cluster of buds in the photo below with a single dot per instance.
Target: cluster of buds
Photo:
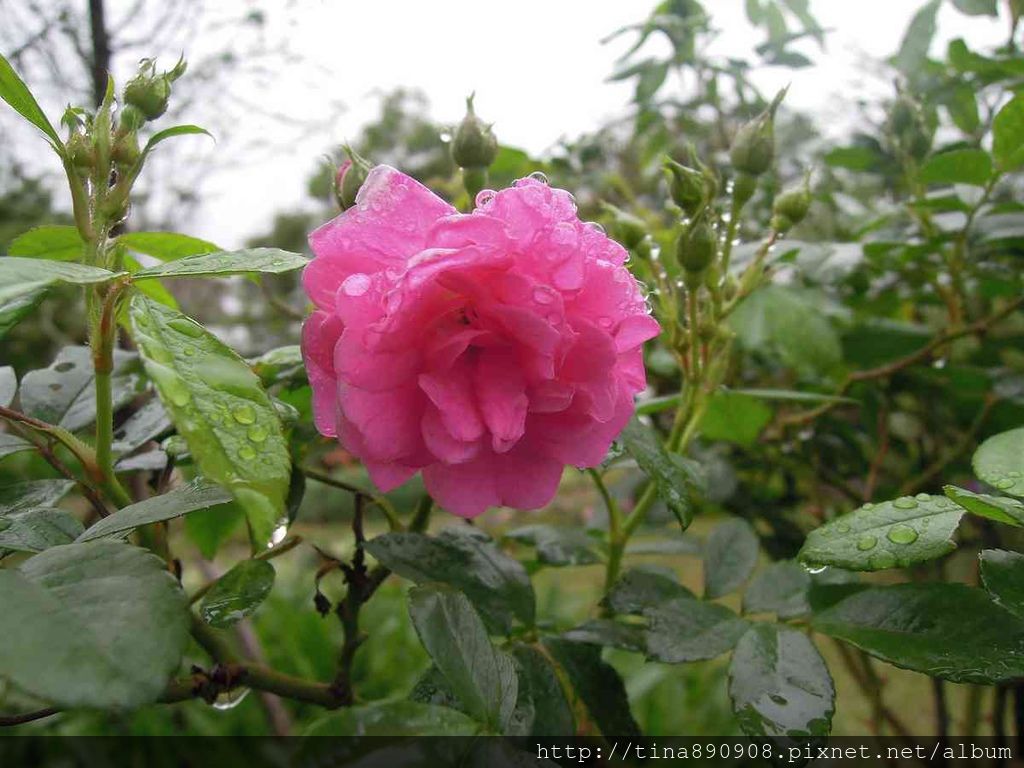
(753, 151)
(350, 177)
(474, 148)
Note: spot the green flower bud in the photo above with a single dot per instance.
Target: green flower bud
(150, 92)
(791, 206)
(697, 246)
(744, 187)
(625, 227)
(909, 127)
(474, 145)
(80, 152)
(350, 178)
(125, 152)
(687, 187)
(753, 149)
(130, 118)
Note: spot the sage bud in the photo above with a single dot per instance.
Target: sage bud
(150, 92)
(125, 152)
(625, 227)
(791, 206)
(80, 152)
(753, 149)
(687, 187)
(474, 144)
(697, 246)
(350, 177)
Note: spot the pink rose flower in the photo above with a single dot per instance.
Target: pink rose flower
(488, 350)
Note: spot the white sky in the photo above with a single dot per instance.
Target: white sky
(537, 66)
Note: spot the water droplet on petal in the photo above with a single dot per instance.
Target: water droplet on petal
(356, 284)
(539, 176)
(483, 197)
(543, 295)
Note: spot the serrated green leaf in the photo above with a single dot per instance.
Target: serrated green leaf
(170, 133)
(539, 684)
(779, 684)
(53, 242)
(238, 593)
(180, 501)
(483, 679)
(999, 461)
(13, 310)
(220, 408)
(14, 91)
(394, 719)
(1008, 135)
(674, 477)
(998, 508)
(597, 686)
(64, 393)
(781, 588)
(36, 529)
(730, 556)
(1002, 574)
(735, 418)
(609, 633)
(890, 534)
(684, 630)
(101, 624)
(23, 497)
(557, 545)
(950, 631)
(641, 588)
(249, 260)
(465, 559)
(12, 444)
(977, 7)
(166, 246)
(959, 166)
(913, 50)
(20, 277)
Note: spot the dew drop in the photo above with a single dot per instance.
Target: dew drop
(864, 543)
(356, 285)
(905, 502)
(1003, 484)
(922, 497)
(868, 506)
(483, 197)
(843, 527)
(244, 414)
(257, 433)
(596, 226)
(186, 326)
(539, 176)
(246, 452)
(814, 569)
(543, 295)
(230, 699)
(902, 534)
(881, 561)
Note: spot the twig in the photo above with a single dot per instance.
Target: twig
(888, 369)
(7, 721)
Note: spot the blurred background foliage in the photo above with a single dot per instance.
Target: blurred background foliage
(862, 281)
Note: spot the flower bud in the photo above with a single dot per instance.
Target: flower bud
(150, 92)
(753, 149)
(697, 246)
(909, 127)
(80, 152)
(474, 144)
(625, 227)
(791, 206)
(350, 177)
(125, 152)
(743, 188)
(688, 187)
(130, 118)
